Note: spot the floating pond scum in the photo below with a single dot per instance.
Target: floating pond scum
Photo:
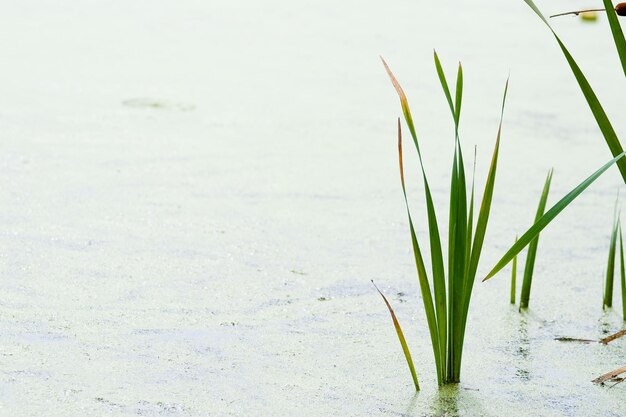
(447, 304)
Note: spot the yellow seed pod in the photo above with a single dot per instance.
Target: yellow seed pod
(590, 16)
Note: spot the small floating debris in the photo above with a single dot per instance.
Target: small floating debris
(611, 376)
(156, 104)
(613, 337)
(574, 339)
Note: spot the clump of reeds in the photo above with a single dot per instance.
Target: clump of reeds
(447, 304)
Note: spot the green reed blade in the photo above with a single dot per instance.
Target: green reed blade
(607, 300)
(457, 228)
(481, 228)
(592, 100)
(444, 84)
(431, 315)
(532, 248)
(616, 30)
(514, 277)
(535, 229)
(405, 347)
(485, 206)
(622, 272)
(439, 285)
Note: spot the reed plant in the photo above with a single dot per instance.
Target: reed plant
(447, 303)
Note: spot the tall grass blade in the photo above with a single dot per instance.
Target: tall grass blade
(592, 100)
(405, 347)
(616, 30)
(431, 314)
(485, 208)
(607, 301)
(479, 236)
(514, 277)
(622, 272)
(433, 228)
(532, 247)
(535, 229)
(457, 229)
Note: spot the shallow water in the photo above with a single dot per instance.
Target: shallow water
(216, 261)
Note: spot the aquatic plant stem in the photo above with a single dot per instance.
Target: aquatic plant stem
(532, 248)
(514, 278)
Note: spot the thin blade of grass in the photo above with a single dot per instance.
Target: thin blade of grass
(485, 206)
(456, 344)
(616, 30)
(439, 285)
(535, 229)
(622, 272)
(444, 84)
(431, 314)
(481, 228)
(592, 100)
(459, 94)
(457, 229)
(532, 248)
(514, 277)
(405, 347)
(470, 219)
(607, 300)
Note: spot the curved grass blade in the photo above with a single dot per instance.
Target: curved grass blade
(622, 272)
(592, 100)
(433, 228)
(514, 277)
(405, 347)
(616, 30)
(607, 301)
(481, 229)
(532, 248)
(535, 229)
(431, 315)
(485, 206)
(444, 84)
